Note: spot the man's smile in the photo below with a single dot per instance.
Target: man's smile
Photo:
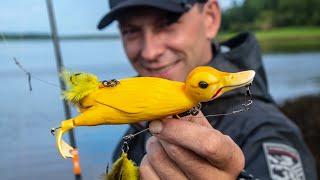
(162, 69)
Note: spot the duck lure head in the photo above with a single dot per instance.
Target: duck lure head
(206, 83)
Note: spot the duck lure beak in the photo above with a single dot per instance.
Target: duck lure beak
(235, 80)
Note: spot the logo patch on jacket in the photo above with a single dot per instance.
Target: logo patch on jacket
(283, 162)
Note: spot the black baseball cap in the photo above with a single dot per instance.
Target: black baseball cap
(118, 6)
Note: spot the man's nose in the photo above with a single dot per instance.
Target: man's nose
(153, 46)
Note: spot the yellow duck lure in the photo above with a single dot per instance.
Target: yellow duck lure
(141, 98)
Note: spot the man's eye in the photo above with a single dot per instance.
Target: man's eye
(164, 25)
(129, 31)
(169, 20)
(172, 19)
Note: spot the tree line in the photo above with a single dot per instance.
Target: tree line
(268, 14)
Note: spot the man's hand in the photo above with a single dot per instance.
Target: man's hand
(189, 148)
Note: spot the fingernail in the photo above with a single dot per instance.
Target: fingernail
(155, 127)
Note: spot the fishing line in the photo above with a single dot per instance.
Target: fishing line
(33, 76)
(28, 73)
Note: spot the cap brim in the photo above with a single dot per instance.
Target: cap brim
(167, 5)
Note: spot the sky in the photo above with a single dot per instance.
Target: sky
(72, 16)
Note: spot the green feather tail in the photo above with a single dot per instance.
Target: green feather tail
(123, 169)
(79, 85)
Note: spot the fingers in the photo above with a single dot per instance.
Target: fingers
(207, 142)
(194, 166)
(146, 171)
(161, 163)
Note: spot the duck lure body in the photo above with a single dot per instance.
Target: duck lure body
(138, 99)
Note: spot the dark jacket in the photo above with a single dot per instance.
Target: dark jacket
(272, 144)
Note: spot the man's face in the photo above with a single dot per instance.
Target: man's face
(165, 45)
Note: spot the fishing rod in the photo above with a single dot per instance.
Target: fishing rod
(60, 66)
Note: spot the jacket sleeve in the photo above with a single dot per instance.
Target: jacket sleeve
(273, 146)
(272, 153)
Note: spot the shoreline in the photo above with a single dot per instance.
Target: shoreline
(287, 39)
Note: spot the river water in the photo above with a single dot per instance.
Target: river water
(27, 149)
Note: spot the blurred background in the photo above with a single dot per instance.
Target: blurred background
(288, 31)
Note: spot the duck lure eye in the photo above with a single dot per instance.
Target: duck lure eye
(203, 84)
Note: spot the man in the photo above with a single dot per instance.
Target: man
(168, 38)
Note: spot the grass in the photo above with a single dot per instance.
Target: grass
(46, 36)
(289, 39)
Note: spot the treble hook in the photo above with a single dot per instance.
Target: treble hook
(125, 147)
(127, 138)
(53, 130)
(247, 102)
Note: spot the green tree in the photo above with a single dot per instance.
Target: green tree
(265, 14)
